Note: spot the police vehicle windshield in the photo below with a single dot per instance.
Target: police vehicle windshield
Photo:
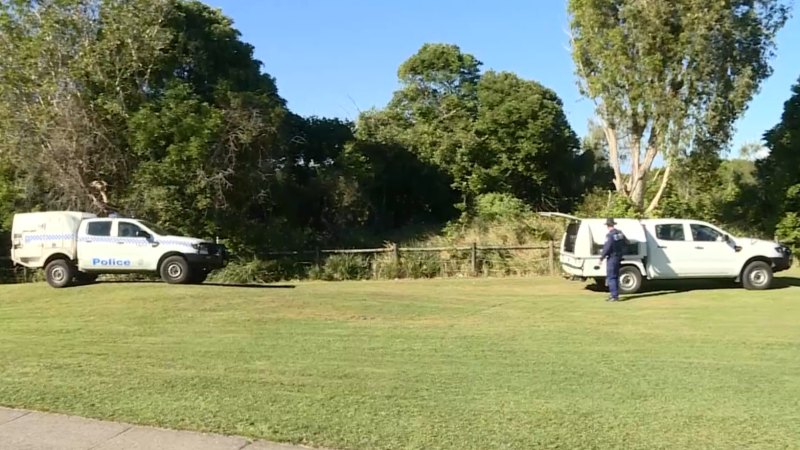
(161, 231)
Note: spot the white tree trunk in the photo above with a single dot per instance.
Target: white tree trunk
(613, 157)
(654, 203)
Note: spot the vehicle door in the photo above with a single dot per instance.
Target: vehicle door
(96, 247)
(135, 244)
(713, 256)
(670, 252)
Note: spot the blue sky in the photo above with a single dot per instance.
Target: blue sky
(336, 58)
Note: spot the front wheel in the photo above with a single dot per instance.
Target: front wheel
(59, 273)
(175, 270)
(630, 280)
(757, 276)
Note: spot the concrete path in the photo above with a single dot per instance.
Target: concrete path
(30, 430)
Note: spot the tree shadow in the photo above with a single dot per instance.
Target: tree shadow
(661, 288)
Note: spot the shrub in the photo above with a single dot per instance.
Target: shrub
(788, 231)
(256, 271)
(345, 267)
(421, 265)
(603, 203)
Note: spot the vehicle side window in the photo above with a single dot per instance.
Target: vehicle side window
(127, 229)
(572, 235)
(670, 232)
(100, 228)
(705, 234)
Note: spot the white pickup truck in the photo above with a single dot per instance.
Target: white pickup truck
(670, 249)
(76, 247)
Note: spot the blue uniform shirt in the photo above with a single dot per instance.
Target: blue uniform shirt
(614, 246)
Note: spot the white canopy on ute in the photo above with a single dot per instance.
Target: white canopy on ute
(631, 228)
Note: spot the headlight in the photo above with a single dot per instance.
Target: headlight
(201, 248)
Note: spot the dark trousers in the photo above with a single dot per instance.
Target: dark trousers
(612, 275)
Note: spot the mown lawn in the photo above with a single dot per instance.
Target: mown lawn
(465, 364)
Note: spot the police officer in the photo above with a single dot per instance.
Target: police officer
(612, 252)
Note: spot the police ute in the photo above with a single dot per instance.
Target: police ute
(669, 249)
(76, 247)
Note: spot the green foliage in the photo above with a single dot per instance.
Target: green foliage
(528, 148)
(254, 271)
(699, 193)
(494, 207)
(175, 139)
(780, 170)
(71, 72)
(421, 265)
(342, 267)
(491, 132)
(788, 228)
(788, 231)
(602, 203)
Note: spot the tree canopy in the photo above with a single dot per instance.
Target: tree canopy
(491, 132)
(779, 173)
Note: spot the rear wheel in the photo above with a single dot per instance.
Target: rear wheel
(757, 276)
(175, 270)
(59, 273)
(630, 280)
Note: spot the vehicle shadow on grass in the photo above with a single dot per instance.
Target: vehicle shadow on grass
(660, 288)
(250, 286)
(207, 284)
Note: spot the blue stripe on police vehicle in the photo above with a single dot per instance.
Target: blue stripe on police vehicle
(102, 239)
(47, 237)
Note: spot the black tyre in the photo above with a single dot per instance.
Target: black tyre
(757, 276)
(175, 270)
(59, 273)
(630, 280)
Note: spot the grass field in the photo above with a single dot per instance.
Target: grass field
(445, 364)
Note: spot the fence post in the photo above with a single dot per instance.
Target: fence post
(551, 256)
(474, 259)
(395, 252)
(317, 258)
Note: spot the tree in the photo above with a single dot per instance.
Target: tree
(490, 132)
(71, 72)
(527, 147)
(779, 172)
(211, 139)
(667, 76)
(433, 113)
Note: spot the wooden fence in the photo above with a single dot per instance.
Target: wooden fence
(472, 260)
(475, 254)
